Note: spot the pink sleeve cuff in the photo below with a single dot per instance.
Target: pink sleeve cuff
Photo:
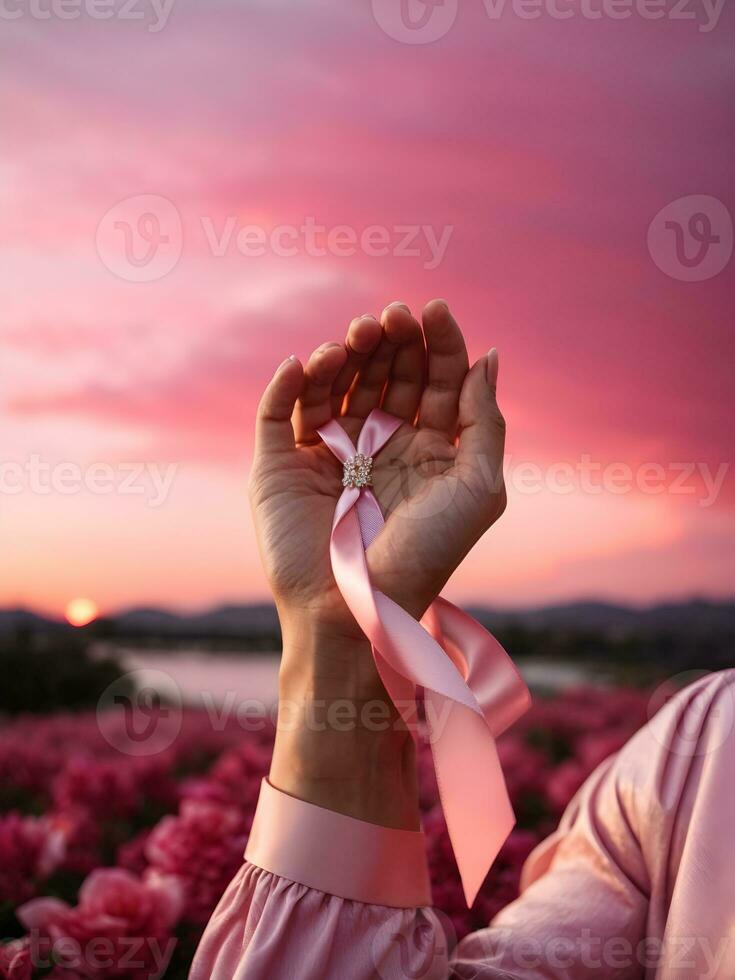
(336, 854)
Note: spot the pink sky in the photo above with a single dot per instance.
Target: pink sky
(543, 148)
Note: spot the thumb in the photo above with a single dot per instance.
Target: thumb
(482, 426)
(273, 428)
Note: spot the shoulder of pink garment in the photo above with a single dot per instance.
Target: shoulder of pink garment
(472, 689)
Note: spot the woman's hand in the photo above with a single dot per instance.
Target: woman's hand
(439, 494)
(439, 483)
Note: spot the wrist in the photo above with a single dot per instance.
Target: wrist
(340, 742)
(325, 657)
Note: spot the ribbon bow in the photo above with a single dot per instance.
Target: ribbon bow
(472, 690)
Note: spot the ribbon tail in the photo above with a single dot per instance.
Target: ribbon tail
(474, 798)
(477, 826)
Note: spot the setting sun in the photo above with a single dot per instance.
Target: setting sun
(80, 612)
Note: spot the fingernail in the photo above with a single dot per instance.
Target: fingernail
(491, 368)
(397, 302)
(291, 357)
(368, 316)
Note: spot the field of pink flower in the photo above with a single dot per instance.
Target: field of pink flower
(110, 864)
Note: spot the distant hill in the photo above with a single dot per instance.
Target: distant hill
(17, 620)
(220, 621)
(695, 618)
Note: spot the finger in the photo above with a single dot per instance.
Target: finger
(447, 366)
(314, 407)
(363, 336)
(406, 378)
(482, 435)
(367, 391)
(273, 429)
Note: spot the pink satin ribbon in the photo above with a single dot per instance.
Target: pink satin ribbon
(472, 690)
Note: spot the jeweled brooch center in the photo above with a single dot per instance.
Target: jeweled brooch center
(358, 472)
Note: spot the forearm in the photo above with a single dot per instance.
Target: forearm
(340, 742)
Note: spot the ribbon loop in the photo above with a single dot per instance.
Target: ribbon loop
(472, 690)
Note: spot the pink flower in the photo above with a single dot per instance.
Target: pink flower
(15, 960)
(564, 783)
(120, 928)
(131, 854)
(81, 835)
(203, 847)
(152, 777)
(593, 748)
(234, 780)
(181, 866)
(525, 769)
(104, 789)
(30, 850)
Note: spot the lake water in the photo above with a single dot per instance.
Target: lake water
(193, 675)
(218, 676)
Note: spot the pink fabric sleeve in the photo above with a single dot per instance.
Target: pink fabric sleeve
(323, 895)
(337, 854)
(637, 881)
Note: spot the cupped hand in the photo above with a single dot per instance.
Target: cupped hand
(438, 480)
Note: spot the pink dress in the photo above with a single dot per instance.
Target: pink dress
(638, 881)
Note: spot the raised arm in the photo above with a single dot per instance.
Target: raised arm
(338, 820)
(439, 493)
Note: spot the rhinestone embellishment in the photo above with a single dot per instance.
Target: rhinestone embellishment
(358, 472)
